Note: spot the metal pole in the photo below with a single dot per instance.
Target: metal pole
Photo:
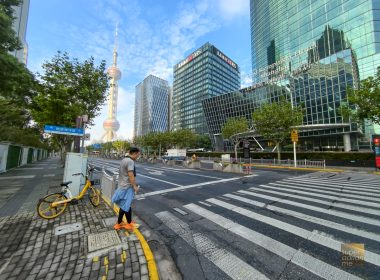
(294, 151)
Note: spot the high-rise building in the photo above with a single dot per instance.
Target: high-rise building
(152, 101)
(111, 124)
(205, 73)
(333, 33)
(19, 26)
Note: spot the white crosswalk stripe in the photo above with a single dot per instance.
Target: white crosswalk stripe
(318, 225)
(226, 261)
(320, 201)
(297, 257)
(370, 186)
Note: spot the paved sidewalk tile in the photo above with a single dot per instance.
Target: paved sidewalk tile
(29, 248)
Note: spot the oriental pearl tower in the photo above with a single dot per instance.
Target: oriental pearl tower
(111, 124)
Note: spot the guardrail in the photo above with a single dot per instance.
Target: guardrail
(264, 161)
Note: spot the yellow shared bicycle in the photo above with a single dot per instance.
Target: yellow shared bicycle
(53, 205)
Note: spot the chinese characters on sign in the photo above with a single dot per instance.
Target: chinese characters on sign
(63, 130)
(226, 59)
(189, 58)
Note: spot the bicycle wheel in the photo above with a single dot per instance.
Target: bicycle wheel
(94, 196)
(46, 211)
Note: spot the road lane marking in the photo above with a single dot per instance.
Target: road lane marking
(180, 187)
(204, 203)
(313, 236)
(198, 175)
(297, 257)
(325, 194)
(156, 179)
(48, 175)
(308, 218)
(351, 185)
(230, 264)
(340, 190)
(18, 177)
(183, 213)
(334, 204)
(332, 212)
(31, 168)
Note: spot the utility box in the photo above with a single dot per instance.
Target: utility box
(75, 163)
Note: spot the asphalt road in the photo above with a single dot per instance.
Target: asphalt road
(273, 224)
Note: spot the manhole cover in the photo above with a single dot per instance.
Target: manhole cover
(67, 228)
(103, 240)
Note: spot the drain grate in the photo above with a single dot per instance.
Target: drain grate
(67, 228)
(103, 240)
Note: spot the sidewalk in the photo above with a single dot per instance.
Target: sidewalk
(79, 244)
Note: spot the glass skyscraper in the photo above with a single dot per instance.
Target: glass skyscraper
(20, 22)
(205, 73)
(338, 34)
(151, 106)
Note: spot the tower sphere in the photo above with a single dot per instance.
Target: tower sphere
(111, 125)
(114, 72)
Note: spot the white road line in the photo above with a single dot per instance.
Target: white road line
(348, 184)
(332, 212)
(179, 188)
(183, 213)
(306, 234)
(204, 203)
(340, 190)
(230, 264)
(335, 185)
(48, 175)
(198, 175)
(18, 177)
(308, 218)
(334, 204)
(297, 257)
(320, 193)
(156, 179)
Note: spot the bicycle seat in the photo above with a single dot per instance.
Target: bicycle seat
(66, 183)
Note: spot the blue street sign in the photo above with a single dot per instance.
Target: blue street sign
(96, 146)
(63, 130)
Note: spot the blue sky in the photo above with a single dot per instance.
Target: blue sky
(153, 36)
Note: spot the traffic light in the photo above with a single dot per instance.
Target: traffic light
(376, 143)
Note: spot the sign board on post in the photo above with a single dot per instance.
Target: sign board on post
(294, 135)
(376, 143)
(86, 136)
(63, 130)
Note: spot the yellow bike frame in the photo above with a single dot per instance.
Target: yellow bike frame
(86, 186)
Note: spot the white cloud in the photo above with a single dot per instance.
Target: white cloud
(230, 9)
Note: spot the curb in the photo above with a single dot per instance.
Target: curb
(300, 168)
(152, 267)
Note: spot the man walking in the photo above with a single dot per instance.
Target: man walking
(127, 188)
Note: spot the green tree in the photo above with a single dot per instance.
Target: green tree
(202, 141)
(16, 86)
(274, 121)
(69, 89)
(232, 127)
(365, 101)
(121, 146)
(183, 138)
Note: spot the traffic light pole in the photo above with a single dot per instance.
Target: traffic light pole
(294, 151)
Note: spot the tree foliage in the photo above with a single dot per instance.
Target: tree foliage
(69, 89)
(16, 87)
(365, 100)
(232, 127)
(274, 121)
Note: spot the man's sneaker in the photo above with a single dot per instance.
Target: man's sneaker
(129, 226)
(135, 225)
(117, 226)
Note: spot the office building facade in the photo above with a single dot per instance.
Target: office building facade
(19, 26)
(205, 73)
(151, 106)
(311, 52)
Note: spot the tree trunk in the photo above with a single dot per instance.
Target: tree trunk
(278, 151)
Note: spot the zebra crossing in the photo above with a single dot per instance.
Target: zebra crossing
(303, 220)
